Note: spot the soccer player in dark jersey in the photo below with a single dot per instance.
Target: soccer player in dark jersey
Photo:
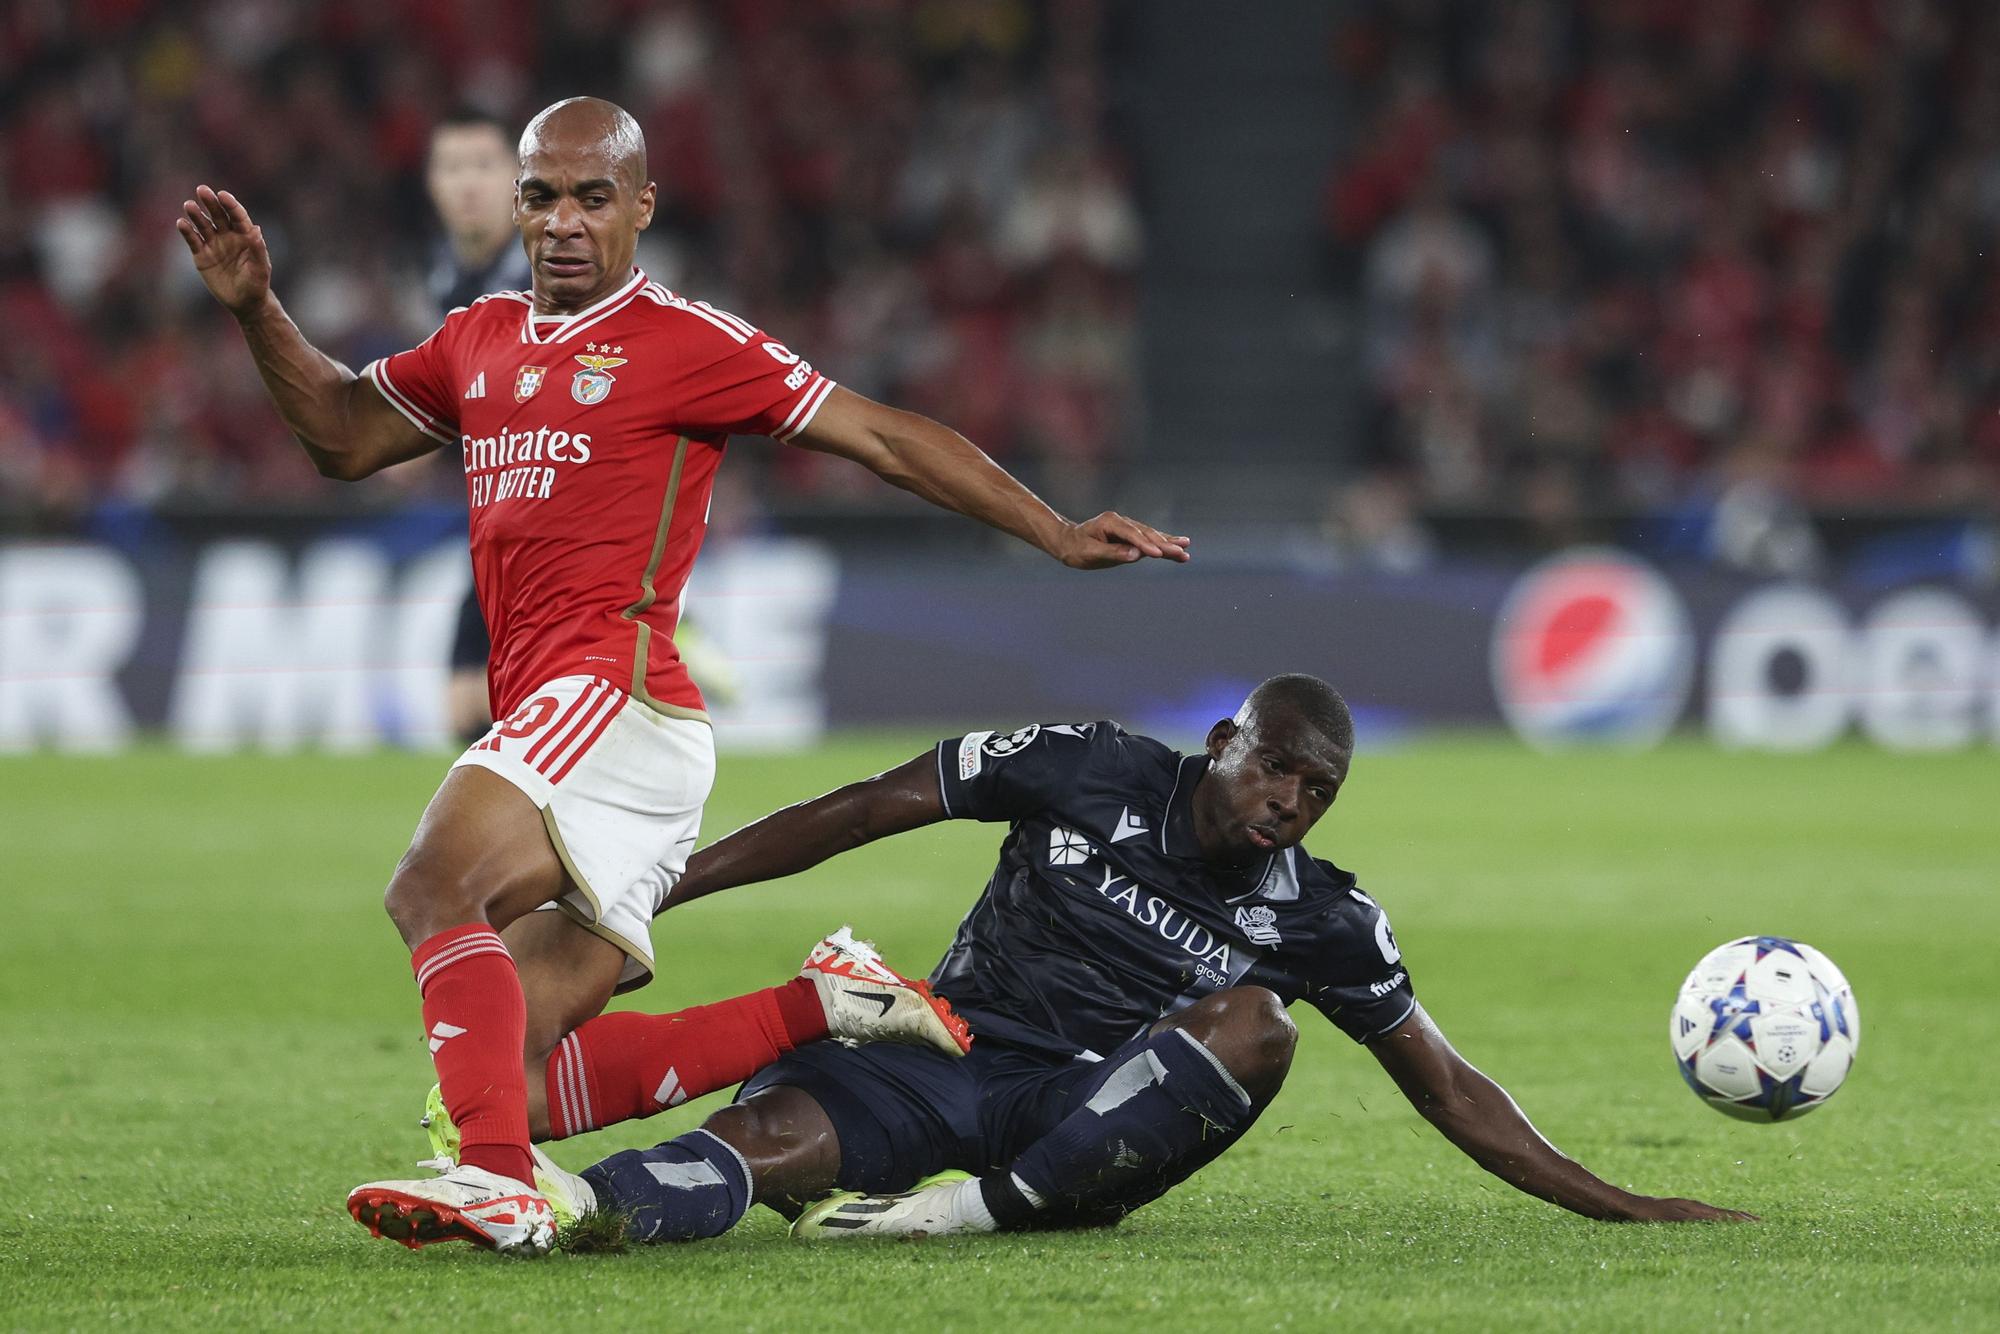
(469, 176)
(591, 413)
(1127, 972)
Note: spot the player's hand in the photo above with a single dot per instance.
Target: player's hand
(229, 250)
(1648, 1209)
(1111, 539)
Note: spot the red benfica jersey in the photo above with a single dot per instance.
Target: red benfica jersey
(591, 442)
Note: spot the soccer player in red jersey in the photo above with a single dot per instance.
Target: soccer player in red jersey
(592, 412)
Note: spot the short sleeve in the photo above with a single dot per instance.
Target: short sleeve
(738, 380)
(1361, 984)
(1010, 775)
(417, 384)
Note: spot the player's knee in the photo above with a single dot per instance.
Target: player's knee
(793, 1152)
(1249, 1031)
(425, 897)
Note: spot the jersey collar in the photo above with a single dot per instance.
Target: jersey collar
(561, 328)
(1177, 829)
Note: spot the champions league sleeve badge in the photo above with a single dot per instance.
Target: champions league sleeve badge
(593, 383)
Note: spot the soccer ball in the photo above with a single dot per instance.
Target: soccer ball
(1765, 1028)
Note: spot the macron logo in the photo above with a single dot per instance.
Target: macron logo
(441, 1033)
(1127, 827)
(477, 389)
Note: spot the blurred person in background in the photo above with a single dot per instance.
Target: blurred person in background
(470, 176)
(1602, 252)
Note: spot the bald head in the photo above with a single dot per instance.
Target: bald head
(1296, 700)
(589, 126)
(1274, 769)
(581, 201)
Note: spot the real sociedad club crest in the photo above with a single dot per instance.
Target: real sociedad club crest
(594, 381)
(1592, 647)
(529, 382)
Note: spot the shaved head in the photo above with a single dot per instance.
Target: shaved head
(1274, 769)
(1299, 700)
(589, 125)
(581, 201)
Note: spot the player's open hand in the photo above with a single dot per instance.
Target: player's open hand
(1648, 1209)
(1111, 539)
(228, 248)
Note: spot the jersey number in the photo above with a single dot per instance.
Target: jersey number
(529, 718)
(1385, 939)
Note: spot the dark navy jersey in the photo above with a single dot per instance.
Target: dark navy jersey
(1102, 917)
(451, 285)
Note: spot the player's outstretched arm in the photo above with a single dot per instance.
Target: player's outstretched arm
(348, 429)
(1476, 1114)
(802, 836)
(935, 462)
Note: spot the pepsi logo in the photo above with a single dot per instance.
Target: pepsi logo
(1592, 647)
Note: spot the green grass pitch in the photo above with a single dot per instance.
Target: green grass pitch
(208, 1033)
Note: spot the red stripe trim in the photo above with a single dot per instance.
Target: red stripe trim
(588, 742)
(608, 696)
(548, 735)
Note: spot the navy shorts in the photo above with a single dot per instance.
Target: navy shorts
(904, 1112)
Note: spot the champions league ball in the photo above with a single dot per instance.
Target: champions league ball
(1765, 1028)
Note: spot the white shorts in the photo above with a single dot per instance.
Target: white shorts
(620, 787)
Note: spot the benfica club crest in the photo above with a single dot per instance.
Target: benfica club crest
(594, 381)
(528, 382)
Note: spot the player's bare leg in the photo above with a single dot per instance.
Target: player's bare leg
(480, 854)
(568, 975)
(480, 858)
(789, 1143)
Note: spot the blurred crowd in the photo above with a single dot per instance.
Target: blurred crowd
(1651, 253)
(922, 196)
(1725, 257)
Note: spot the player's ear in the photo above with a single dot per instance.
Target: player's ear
(648, 197)
(1219, 737)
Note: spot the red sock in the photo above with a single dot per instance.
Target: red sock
(476, 1021)
(619, 1066)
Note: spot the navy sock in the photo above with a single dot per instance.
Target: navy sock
(1165, 1111)
(691, 1187)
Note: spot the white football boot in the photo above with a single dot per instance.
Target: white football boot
(867, 1001)
(568, 1194)
(939, 1206)
(464, 1203)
